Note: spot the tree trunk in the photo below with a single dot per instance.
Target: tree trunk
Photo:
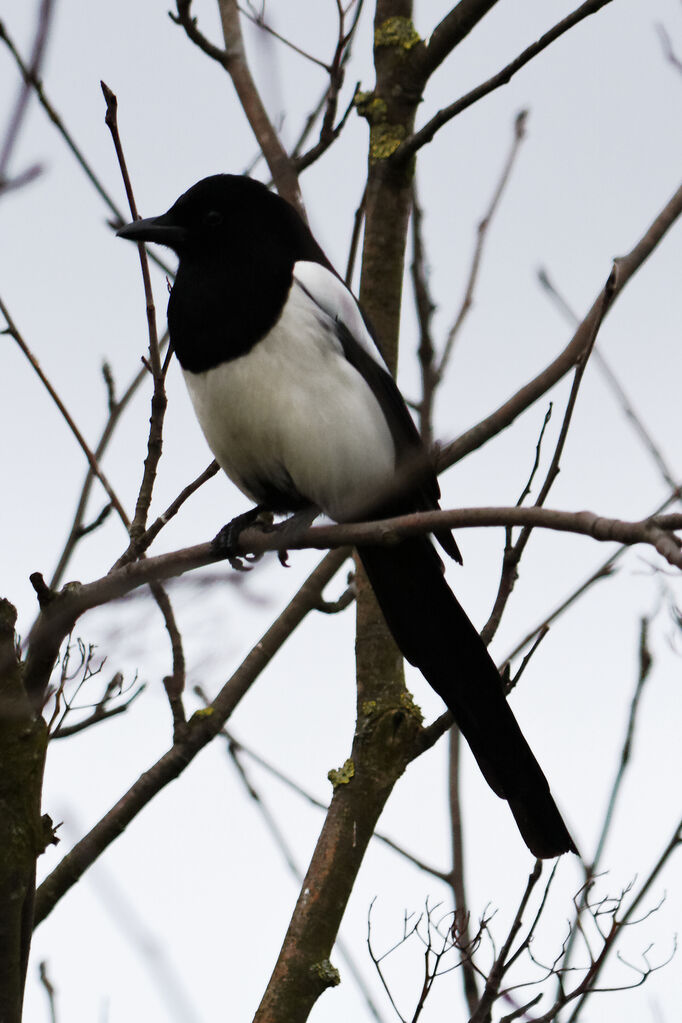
(23, 741)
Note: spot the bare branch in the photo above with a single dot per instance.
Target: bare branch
(481, 235)
(668, 50)
(259, 20)
(591, 869)
(37, 86)
(60, 611)
(159, 401)
(505, 415)
(13, 332)
(174, 684)
(19, 112)
(49, 991)
(458, 877)
(455, 26)
(275, 772)
(150, 534)
(425, 308)
(233, 60)
(281, 843)
(355, 238)
(100, 712)
(202, 728)
(499, 967)
(628, 408)
(116, 409)
(409, 147)
(604, 571)
(514, 552)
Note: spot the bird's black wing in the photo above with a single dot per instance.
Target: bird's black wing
(427, 621)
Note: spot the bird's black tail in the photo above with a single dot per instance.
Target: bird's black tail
(435, 635)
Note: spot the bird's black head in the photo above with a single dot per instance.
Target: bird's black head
(227, 215)
(237, 243)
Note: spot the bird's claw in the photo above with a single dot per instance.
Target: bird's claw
(226, 543)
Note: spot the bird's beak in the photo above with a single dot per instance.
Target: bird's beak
(161, 230)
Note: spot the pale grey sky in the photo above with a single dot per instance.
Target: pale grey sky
(603, 154)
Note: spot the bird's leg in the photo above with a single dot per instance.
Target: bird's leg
(291, 528)
(227, 541)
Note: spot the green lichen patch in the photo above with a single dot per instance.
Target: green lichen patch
(327, 973)
(342, 775)
(203, 712)
(399, 32)
(412, 708)
(384, 139)
(372, 108)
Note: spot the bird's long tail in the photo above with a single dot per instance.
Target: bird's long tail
(435, 635)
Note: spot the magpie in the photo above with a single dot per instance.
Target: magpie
(300, 410)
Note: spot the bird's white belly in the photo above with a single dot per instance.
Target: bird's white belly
(294, 407)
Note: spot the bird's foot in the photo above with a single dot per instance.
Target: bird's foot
(226, 543)
(291, 528)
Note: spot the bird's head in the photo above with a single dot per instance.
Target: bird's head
(222, 213)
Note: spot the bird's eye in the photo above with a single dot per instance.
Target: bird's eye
(213, 218)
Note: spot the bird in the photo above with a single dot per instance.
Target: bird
(301, 412)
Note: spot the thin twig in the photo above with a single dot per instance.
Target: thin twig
(481, 236)
(667, 45)
(592, 869)
(458, 875)
(303, 793)
(261, 23)
(499, 967)
(502, 417)
(511, 557)
(281, 843)
(425, 308)
(37, 86)
(100, 712)
(588, 987)
(13, 332)
(159, 400)
(150, 534)
(233, 59)
(449, 33)
(202, 729)
(116, 409)
(49, 991)
(355, 239)
(174, 684)
(605, 570)
(409, 147)
(628, 408)
(18, 114)
(328, 134)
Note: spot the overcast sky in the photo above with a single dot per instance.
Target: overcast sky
(603, 154)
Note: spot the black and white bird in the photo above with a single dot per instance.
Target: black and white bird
(300, 411)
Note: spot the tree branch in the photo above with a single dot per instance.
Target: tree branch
(60, 611)
(449, 33)
(13, 332)
(20, 107)
(201, 730)
(233, 60)
(627, 265)
(409, 147)
(614, 383)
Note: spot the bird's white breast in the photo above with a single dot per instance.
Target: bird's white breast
(293, 405)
